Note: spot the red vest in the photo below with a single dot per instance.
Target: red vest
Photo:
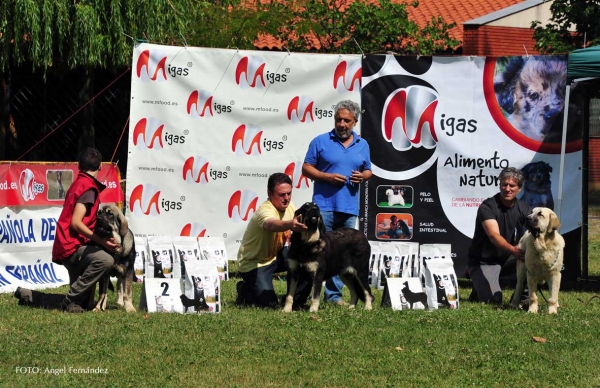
(66, 240)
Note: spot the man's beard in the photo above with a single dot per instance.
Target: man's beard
(343, 135)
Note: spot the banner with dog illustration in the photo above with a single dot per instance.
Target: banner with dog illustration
(208, 126)
(441, 129)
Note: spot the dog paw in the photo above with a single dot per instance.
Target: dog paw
(533, 309)
(129, 308)
(287, 309)
(96, 309)
(552, 309)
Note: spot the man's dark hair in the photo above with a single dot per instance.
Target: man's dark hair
(90, 159)
(514, 173)
(277, 179)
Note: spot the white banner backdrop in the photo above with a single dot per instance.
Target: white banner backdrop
(208, 127)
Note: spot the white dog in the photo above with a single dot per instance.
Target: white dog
(394, 199)
(543, 247)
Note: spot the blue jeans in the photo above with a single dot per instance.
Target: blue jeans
(335, 220)
(257, 287)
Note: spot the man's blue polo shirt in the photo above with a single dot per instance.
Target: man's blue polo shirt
(329, 155)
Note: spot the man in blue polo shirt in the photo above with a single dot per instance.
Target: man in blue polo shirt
(338, 161)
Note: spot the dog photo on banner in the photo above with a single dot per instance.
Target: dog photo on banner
(213, 249)
(440, 278)
(163, 263)
(202, 285)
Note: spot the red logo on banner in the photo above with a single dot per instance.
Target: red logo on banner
(409, 118)
(350, 76)
(28, 187)
(246, 139)
(199, 104)
(244, 203)
(294, 170)
(248, 70)
(194, 229)
(300, 109)
(195, 169)
(144, 200)
(151, 66)
(151, 131)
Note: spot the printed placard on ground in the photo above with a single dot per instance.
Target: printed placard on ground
(162, 296)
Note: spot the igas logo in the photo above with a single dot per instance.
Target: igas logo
(301, 110)
(196, 169)
(151, 130)
(247, 140)
(346, 76)
(200, 104)
(251, 68)
(152, 66)
(294, 171)
(28, 187)
(145, 199)
(242, 205)
(194, 230)
(408, 118)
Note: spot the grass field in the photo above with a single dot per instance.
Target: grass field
(476, 345)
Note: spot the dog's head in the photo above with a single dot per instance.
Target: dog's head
(532, 92)
(110, 219)
(542, 221)
(389, 192)
(310, 215)
(537, 172)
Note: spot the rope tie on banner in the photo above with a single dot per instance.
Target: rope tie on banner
(237, 50)
(360, 48)
(119, 142)
(526, 53)
(74, 113)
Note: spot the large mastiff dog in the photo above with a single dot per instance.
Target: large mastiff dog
(543, 247)
(112, 223)
(344, 252)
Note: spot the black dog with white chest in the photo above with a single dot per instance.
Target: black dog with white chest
(320, 255)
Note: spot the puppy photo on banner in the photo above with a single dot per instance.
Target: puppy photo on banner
(163, 263)
(213, 249)
(440, 279)
(202, 286)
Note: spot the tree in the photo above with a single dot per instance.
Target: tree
(86, 33)
(558, 35)
(342, 26)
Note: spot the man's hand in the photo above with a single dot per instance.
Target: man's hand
(519, 254)
(107, 243)
(298, 226)
(336, 179)
(356, 177)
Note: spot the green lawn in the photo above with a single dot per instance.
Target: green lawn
(476, 345)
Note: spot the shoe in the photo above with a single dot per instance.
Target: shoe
(71, 307)
(24, 295)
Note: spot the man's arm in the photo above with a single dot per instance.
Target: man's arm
(311, 172)
(493, 231)
(81, 228)
(275, 225)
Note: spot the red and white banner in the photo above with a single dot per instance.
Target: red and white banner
(45, 184)
(208, 127)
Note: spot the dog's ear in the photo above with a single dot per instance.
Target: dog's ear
(553, 222)
(124, 225)
(505, 84)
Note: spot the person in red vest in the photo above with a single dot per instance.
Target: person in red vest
(85, 255)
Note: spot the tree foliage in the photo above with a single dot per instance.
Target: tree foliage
(343, 26)
(86, 33)
(558, 36)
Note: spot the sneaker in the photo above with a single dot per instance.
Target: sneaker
(71, 307)
(24, 295)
